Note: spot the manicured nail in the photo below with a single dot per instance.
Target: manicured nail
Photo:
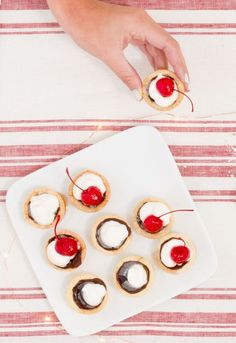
(187, 81)
(137, 94)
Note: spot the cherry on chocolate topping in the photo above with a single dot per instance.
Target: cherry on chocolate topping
(91, 196)
(66, 246)
(165, 86)
(154, 224)
(180, 254)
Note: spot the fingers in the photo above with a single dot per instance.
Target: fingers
(123, 69)
(159, 58)
(159, 38)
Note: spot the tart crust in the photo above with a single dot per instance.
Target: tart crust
(96, 243)
(135, 259)
(70, 299)
(187, 265)
(78, 203)
(146, 234)
(38, 191)
(146, 84)
(83, 249)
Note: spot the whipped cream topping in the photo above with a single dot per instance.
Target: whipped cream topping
(93, 293)
(166, 248)
(56, 258)
(157, 97)
(156, 209)
(137, 276)
(43, 208)
(112, 234)
(85, 181)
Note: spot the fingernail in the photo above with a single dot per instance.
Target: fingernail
(187, 81)
(137, 94)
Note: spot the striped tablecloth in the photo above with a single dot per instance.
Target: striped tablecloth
(48, 109)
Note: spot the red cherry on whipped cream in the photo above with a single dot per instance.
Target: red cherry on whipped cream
(165, 86)
(92, 196)
(66, 246)
(180, 254)
(154, 224)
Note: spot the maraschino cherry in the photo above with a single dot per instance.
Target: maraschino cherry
(154, 224)
(166, 87)
(180, 254)
(66, 246)
(91, 196)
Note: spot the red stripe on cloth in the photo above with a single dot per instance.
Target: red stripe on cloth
(22, 296)
(206, 326)
(208, 171)
(65, 149)
(193, 171)
(179, 160)
(202, 151)
(214, 192)
(206, 296)
(166, 25)
(114, 128)
(147, 121)
(179, 5)
(40, 150)
(27, 25)
(151, 4)
(169, 333)
(30, 32)
(21, 289)
(33, 333)
(27, 317)
(214, 200)
(185, 317)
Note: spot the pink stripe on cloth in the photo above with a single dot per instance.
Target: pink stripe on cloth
(169, 333)
(151, 4)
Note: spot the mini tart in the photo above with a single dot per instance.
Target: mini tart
(41, 191)
(76, 298)
(123, 237)
(78, 203)
(177, 268)
(138, 224)
(71, 262)
(146, 84)
(143, 278)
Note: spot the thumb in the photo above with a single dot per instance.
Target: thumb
(124, 70)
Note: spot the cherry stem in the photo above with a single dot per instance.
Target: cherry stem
(68, 174)
(58, 218)
(186, 97)
(184, 210)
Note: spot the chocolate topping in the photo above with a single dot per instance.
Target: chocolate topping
(78, 295)
(75, 261)
(121, 277)
(178, 266)
(98, 236)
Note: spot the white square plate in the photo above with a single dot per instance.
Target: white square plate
(137, 164)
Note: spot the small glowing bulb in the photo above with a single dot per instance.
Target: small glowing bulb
(102, 340)
(99, 127)
(47, 319)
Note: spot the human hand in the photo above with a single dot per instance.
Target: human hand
(105, 30)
